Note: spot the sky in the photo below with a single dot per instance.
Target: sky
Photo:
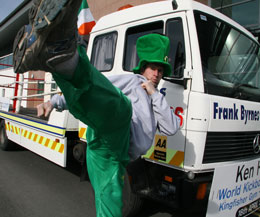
(7, 6)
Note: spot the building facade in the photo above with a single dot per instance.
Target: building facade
(103, 7)
(245, 12)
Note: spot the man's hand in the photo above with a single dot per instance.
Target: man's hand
(149, 87)
(44, 109)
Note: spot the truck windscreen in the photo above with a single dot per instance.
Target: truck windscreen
(230, 59)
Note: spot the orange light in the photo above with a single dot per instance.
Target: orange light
(124, 7)
(168, 178)
(130, 179)
(202, 189)
(57, 140)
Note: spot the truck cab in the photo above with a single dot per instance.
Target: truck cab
(214, 89)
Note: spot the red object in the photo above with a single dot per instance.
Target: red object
(124, 7)
(16, 92)
(2, 64)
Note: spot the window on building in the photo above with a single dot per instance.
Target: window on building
(245, 12)
(6, 62)
(40, 88)
(54, 86)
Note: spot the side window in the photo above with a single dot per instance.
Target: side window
(132, 34)
(174, 31)
(103, 51)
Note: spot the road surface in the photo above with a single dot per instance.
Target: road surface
(31, 186)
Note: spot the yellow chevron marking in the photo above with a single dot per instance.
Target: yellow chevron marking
(47, 142)
(40, 140)
(58, 146)
(54, 145)
(82, 132)
(30, 135)
(50, 144)
(35, 137)
(43, 141)
(12, 129)
(177, 159)
(7, 127)
(61, 148)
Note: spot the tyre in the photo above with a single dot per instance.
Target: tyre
(5, 144)
(131, 202)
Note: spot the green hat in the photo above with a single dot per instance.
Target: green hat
(153, 48)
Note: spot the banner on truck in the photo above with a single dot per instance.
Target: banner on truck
(235, 190)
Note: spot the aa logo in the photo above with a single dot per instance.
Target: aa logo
(160, 147)
(160, 143)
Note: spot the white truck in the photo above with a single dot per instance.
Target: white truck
(212, 164)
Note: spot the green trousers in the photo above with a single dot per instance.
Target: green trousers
(92, 99)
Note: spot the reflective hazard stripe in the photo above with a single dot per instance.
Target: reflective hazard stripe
(159, 152)
(47, 142)
(7, 127)
(176, 159)
(82, 132)
(12, 128)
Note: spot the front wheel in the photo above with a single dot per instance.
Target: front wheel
(131, 202)
(5, 144)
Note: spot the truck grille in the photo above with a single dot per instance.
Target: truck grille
(229, 146)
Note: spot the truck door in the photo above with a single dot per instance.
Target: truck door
(176, 88)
